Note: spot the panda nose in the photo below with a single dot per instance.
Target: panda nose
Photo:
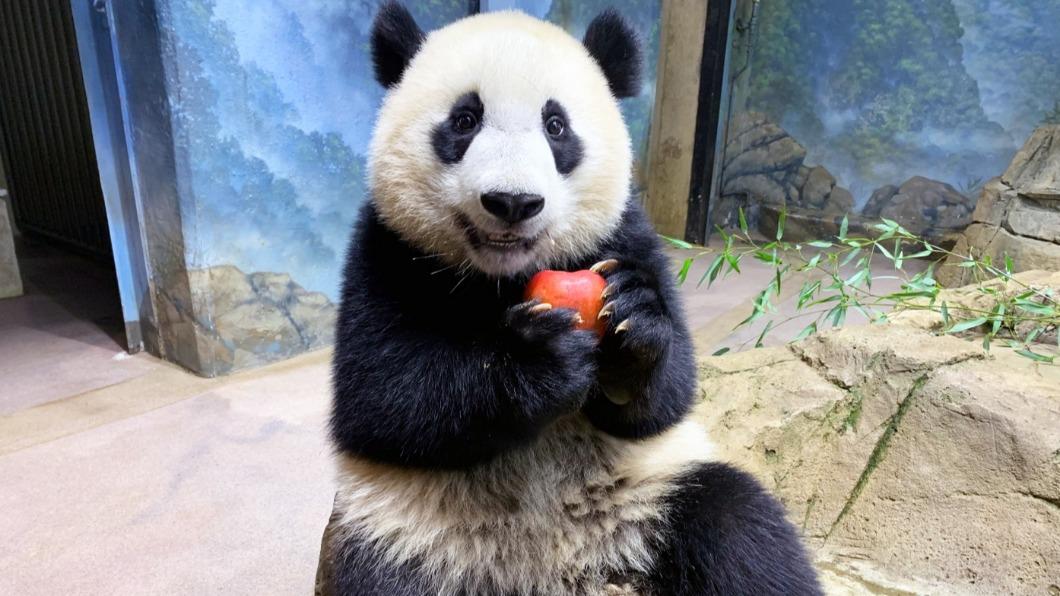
(513, 208)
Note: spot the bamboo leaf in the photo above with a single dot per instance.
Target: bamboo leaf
(780, 224)
(806, 332)
(1026, 353)
(843, 227)
(682, 275)
(712, 271)
(720, 352)
(821, 244)
(743, 221)
(966, 325)
(678, 242)
(762, 336)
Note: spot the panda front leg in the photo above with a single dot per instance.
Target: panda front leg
(727, 535)
(646, 364)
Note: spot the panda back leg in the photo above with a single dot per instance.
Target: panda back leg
(727, 535)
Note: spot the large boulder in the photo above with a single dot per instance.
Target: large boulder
(1018, 214)
(923, 206)
(912, 463)
(764, 168)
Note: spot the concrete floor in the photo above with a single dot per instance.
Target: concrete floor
(125, 475)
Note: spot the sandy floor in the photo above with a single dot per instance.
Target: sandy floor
(125, 475)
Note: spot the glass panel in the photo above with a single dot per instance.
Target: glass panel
(894, 108)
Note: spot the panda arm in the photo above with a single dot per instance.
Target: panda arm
(647, 368)
(413, 386)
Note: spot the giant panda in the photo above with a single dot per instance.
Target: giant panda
(485, 446)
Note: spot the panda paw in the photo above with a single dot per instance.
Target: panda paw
(637, 322)
(551, 343)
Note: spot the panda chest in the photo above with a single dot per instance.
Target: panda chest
(560, 516)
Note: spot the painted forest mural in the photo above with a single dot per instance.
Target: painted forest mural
(875, 101)
(271, 106)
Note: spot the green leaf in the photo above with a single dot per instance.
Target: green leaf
(1008, 264)
(967, 264)
(885, 252)
(1034, 307)
(945, 315)
(838, 314)
(762, 336)
(806, 332)
(998, 317)
(743, 221)
(850, 257)
(712, 272)
(720, 352)
(780, 223)
(1035, 356)
(766, 257)
(843, 227)
(677, 242)
(966, 325)
(857, 278)
(811, 263)
(820, 244)
(807, 292)
(682, 275)
(733, 261)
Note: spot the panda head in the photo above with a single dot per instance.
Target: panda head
(500, 144)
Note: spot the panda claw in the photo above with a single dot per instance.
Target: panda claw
(622, 327)
(605, 266)
(606, 311)
(608, 291)
(540, 308)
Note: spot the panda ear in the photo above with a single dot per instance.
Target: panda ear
(395, 40)
(617, 49)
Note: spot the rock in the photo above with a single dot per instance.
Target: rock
(895, 452)
(819, 184)
(763, 164)
(241, 320)
(839, 202)
(1035, 170)
(967, 302)
(10, 279)
(925, 206)
(1018, 214)
(783, 154)
(879, 199)
(761, 188)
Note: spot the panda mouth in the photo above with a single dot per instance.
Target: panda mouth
(501, 242)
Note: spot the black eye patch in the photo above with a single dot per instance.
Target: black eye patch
(566, 146)
(452, 137)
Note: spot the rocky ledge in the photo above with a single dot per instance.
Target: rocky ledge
(1018, 214)
(913, 463)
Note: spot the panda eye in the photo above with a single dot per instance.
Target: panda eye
(465, 122)
(555, 126)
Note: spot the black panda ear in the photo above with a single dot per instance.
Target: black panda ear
(616, 47)
(395, 40)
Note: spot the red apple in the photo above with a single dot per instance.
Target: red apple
(578, 290)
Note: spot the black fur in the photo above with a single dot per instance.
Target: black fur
(395, 40)
(566, 148)
(449, 142)
(728, 536)
(434, 369)
(617, 49)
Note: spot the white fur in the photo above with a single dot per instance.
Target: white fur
(557, 517)
(516, 64)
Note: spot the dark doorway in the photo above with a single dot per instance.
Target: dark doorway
(49, 162)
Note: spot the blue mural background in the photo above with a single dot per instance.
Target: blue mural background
(272, 104)
(879, 91)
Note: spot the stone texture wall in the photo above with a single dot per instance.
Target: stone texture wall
(912, 463)
(1018, 214)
